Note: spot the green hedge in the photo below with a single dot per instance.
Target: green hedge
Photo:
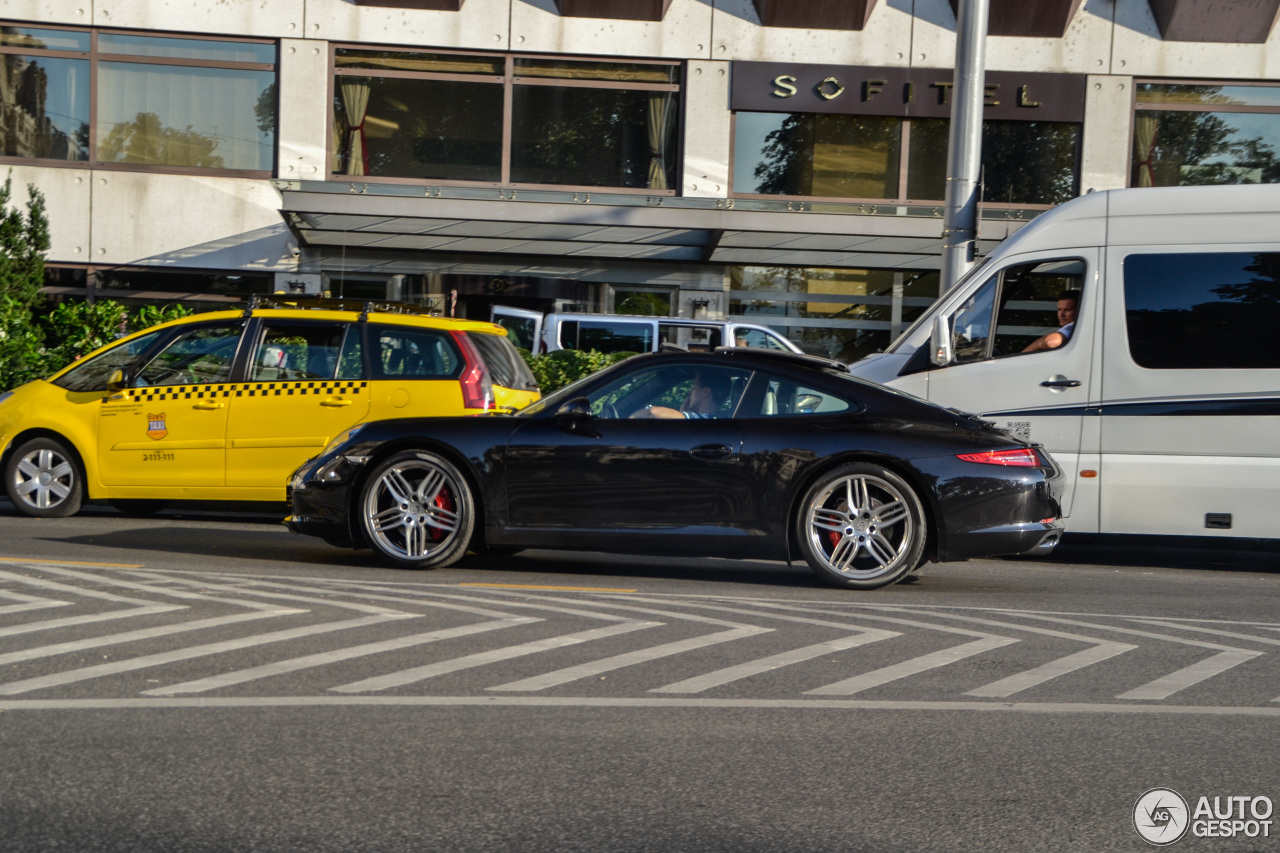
(562, 367)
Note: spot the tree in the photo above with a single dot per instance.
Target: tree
(24, 240)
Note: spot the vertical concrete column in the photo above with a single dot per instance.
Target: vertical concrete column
(304, 110)
(707, 139)
(1108, 132)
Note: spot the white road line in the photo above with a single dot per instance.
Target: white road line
(609, 664)
(1053, 669)
(1166, 686)
(28, 602)
(409, 676)
(1163, 688)
(140, 634)
(908, 668)
(69, 621)
(699, 683)
(325, 658)
(1102, 650)
(1235, 635)
(73, 675)
(306, 599)
(203, 703)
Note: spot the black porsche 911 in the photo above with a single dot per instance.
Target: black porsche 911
(731, 453)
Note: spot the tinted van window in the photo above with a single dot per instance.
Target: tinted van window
(606, 336)
(1203, 309)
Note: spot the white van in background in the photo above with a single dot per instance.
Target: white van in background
(1163, 406)
(540, 333)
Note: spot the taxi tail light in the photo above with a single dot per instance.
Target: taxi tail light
(1023, 457)
(477, 389)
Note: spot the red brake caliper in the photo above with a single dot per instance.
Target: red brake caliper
(445, 502)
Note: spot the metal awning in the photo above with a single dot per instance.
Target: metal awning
(599, 226)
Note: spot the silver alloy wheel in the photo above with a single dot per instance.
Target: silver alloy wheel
(861, 526)
(43, 478)
(412, 509)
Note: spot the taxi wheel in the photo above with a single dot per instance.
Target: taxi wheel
(417, 510)
(43, 479)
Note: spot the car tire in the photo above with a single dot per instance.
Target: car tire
(417, 511)
(861, 526)
(43, 478)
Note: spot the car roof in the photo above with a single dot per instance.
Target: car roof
(341, 310)
(755, 356)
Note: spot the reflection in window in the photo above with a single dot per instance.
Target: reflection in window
(94, 373)
(416, 354)
(294, 353)
(838, 313)
(1023, 162)
(442, 117)
(196, 357)
(174, 103)
(1185, 135)
(1203, 310)
(805, 154)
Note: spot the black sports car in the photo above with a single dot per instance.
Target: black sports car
(732, 453)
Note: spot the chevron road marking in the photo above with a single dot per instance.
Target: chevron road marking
(325, 658)
(699, 683)
(29, 602)
(409, 676)
(915, 666)
(116, 667)
(140, 607)
(1102, 650)
(1166, 686)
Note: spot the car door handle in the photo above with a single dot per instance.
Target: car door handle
(209, 405)
(1060, 382)
(335, 402)
(711, 451)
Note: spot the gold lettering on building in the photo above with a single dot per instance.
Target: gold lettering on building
(1023, 100)
(785, 88)
(989, 95)
(829, 89)
(872, 88)
(944, 92)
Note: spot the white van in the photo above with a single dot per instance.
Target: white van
(540, 333)
(1163, 405)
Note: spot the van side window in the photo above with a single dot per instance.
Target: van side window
(606, 336)
(1022, 304)
(1203, 310)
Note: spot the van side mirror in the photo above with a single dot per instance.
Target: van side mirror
(941, 352)
(117, 381)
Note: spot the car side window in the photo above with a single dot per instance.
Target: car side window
(784, 397)
(291, 353)
(682, 390)
(757, 339)
(94, 373)
(407, 353)
(199, 356)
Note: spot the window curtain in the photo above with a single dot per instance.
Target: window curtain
(661, 111)
(355, 100)
(1144, 143)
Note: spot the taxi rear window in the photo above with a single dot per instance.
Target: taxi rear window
(407, 353)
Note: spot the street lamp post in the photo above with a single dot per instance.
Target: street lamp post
(964, 145)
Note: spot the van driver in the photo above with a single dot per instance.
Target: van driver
(1068, 305)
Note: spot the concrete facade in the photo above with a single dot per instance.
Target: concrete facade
(112, 217)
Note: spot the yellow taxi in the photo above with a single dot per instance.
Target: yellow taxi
(224, 406)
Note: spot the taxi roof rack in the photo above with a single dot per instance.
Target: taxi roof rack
(330, 303)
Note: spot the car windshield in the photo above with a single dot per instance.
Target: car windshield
(93, 374)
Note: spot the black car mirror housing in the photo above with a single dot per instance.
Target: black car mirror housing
(574, 415)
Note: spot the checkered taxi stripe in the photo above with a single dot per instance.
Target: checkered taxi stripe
(246, 389)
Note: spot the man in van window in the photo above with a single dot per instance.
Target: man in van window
(1068, 305)
(705, 397)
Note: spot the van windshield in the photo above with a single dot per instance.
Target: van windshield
(927, 316)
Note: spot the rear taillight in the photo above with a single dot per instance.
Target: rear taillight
(1023, 457)
(477, 390)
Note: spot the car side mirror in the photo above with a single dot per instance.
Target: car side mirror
(117, 381)
(574, 416)
(941, 352)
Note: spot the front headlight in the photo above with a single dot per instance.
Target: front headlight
(341, 438)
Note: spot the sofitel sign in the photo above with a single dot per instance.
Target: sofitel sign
(906, 92)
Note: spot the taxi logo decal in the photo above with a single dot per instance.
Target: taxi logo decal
(156, 426)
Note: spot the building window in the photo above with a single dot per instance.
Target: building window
(880, 158)
(444, 117)
(1199, 133)
(162, 103)
(838, 313)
